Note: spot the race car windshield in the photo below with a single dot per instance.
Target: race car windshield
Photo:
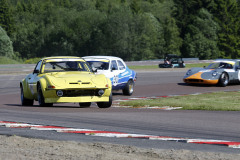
(99, 65)
(65, 66)
(220, 65)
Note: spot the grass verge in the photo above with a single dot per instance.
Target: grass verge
(6, 60)
(144, 67)
(218, 101)
(156, 66)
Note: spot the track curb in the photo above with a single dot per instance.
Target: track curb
(113, 134)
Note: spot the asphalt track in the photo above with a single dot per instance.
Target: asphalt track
(216, 125)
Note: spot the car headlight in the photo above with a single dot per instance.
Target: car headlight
(189, 72)
(214, 73)
(100, 92)
(59, 93)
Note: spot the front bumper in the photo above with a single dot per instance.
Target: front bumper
(77, 99)
(200, 81)
(77, 95)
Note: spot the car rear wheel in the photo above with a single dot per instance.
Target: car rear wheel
(105, 104)
(41, 100)
(24, 101)
(128, 90)
(223, 80)
(85, 105)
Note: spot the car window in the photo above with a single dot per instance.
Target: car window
(121, 65)
(65, 66)
(220, 65)
(225, 65)
(114, 65)
(99, 65)
(237, 64)
(38, 66)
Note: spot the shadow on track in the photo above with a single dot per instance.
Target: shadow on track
(37, 106)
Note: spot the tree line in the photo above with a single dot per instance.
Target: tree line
(130, 29)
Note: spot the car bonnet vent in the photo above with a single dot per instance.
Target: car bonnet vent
(85, 82)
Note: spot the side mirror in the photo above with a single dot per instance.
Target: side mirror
(36, 71)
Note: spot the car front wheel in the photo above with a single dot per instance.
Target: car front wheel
(128, 90)
(105, 104)
(41, 100)
(223, 80)
(24, 101)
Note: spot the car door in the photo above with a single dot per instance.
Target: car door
(124, 75)
(115, 72)
(33, 79)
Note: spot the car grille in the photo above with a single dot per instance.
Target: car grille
(79, 93)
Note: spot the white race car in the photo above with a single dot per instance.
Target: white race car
(116, 70)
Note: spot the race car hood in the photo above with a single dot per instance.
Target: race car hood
(196, 70)
(77, 80)
(202, 73)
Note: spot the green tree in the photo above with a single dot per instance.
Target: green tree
(197, 27)
(151, 37)
(201, 39)
(172, 37)
(227, 16)
(135, 7)
(6, 48)
(6, 20)
(114, 35)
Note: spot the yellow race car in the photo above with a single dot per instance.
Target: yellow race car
(65, 79)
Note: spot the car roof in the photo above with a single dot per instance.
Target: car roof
(61, 57)
(102, 57)
(226, 60)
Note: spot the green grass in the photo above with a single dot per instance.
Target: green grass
(144, 67)
(156, 66)
(197, 65)
(32, 60)
(6, 60)
(219, 101)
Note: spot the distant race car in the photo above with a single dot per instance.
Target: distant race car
(220, 72)
(65, 79)
(114, 68)
(172, 61)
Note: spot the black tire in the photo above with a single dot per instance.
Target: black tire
(41, 100)
(128, 90)
(85, 105)
(223, 80)
(105, 104)
(24, 101)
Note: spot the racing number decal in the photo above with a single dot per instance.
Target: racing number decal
(115, 80)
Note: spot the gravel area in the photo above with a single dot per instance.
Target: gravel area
(20, 148)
